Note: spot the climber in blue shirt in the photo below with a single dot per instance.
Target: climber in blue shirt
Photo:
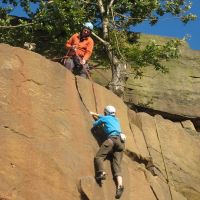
(111, 124)
(113, 145)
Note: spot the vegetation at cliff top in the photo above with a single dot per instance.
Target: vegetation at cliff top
(54, 21)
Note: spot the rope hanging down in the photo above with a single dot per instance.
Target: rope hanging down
(93, 91)
(162, 155)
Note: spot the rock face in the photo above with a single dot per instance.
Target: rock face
(176, 92)
(47, 147)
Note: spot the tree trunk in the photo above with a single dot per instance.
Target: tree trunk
(118, 68)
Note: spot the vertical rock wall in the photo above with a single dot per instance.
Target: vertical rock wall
(47, 147)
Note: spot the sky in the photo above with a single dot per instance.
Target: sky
(172, 27)
(168, 26)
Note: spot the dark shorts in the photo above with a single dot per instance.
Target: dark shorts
(114, 147)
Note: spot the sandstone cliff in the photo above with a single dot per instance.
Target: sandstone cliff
(174, 95)
(47, 147)
(175, 92)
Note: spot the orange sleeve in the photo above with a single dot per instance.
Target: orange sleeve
(89, 49)
(70, 42)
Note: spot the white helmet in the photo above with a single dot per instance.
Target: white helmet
(123, 137)
(109, 110)
(88, 25)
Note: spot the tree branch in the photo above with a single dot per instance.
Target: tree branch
(146, 19)
(101, 7)
(110, 4)
(129, 18)
(101, 40)
(116, 39)
(88, 2)
(20, 25)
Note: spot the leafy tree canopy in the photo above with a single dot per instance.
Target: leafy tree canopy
(55, 20)
(49, 26)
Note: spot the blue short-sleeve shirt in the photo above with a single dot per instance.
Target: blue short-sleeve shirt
(110, 124)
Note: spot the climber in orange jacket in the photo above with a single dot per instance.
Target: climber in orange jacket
(80, 47)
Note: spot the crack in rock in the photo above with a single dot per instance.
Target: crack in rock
(31, 80)
(194, 76)
(16, 132)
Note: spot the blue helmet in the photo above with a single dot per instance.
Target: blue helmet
(88, 25)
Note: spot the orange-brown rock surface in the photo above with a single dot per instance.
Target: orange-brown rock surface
(47, 148)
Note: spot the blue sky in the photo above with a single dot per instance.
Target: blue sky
(167, 26)
(172, 27)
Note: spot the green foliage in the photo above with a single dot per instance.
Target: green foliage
(142, 55)
(138, 10)
(55, 25)
(54, 22)
(129, 12)
(49, 27)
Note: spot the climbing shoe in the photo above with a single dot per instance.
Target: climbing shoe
(101, 176)
(119, 192)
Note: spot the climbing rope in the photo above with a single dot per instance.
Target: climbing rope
(93, 90)
(163, 160)
(88, 76)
